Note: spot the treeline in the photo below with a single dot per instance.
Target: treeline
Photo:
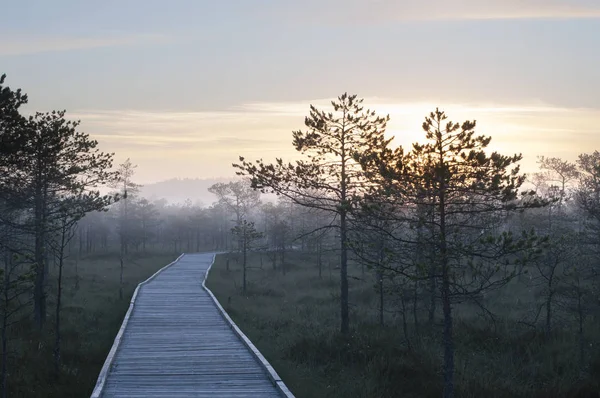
(156, 225)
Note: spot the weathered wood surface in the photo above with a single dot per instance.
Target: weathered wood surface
(177, 343)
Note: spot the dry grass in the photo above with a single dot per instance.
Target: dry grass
(91, 317)
(293, 320)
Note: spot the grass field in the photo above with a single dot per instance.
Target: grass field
(91, 317)
(294, 320)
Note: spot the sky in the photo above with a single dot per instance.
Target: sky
(186, 86)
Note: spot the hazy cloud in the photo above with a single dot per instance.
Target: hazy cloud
(506, 9)
(353, 11)
(186, 144)
(204, 144)
(20, 45)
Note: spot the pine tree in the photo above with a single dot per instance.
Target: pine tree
(461, 195)
(329, 178)
(59, 161)
(247, 235)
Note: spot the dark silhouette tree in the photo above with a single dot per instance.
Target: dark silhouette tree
(13, 143)
(61, 160)
(328, 179)
(588, 192)
(237, 196)
(70, 209)
(127, 189)
(148, 219)
(16, 276)
(247, 235)
(463, 195)
(551, 270)
(561, 172)
(587, 197)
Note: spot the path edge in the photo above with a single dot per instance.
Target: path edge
(97, 392)
(273, 376)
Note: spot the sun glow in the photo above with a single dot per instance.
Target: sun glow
(198, 144)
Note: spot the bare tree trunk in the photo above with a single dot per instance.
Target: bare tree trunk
(549, 313)
(198, 239)
(47, 264)
(446, 306)
(88, 239)
(448, 339)
(581, 337)
(432, 293)
(77, 272)
(282, 259)
(80, 241)
(39, 292)
(362, 269)
(144, 238)
(319, 259)
(125, 225)
(58, 303)
(404, 322)
(39, 298)
(123, 249)
(415, 308)
(244, 266)
(4, 356)
(345, 318)
(7, 267)
(121, 277)
(380, 282)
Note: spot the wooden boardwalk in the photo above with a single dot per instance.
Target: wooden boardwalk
(176, 341)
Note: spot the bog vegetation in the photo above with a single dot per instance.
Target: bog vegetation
(379, 271)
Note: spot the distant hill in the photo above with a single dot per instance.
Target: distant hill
(178, 190)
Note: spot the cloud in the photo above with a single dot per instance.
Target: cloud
(506, 9)
(204, 144)
(377, 11)
(20, 45)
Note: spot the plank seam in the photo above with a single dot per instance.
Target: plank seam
(97, 392)
(273, 376)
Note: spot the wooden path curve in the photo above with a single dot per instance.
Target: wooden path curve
(177, 341)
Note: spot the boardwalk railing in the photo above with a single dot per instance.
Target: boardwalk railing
(261, 359)
(142, 350)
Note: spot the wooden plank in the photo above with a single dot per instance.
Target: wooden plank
(113, 350)
(281, 387)
(176, 341)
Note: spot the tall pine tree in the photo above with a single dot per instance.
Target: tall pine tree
(328, 178)
(461, 196)
(59, 161)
